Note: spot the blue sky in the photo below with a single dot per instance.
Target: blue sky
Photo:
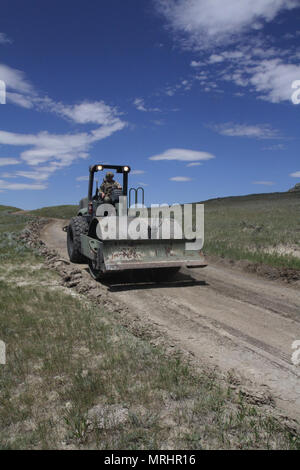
(195, 97)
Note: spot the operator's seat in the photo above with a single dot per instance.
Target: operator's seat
(115, 195)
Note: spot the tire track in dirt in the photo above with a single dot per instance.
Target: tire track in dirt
(224, 317)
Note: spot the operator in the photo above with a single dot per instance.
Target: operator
(107, 186)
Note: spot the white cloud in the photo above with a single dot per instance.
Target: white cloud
(264, 183)
(215, 58)
(158, 122)
(137, 172)
(107, 131)
(182, 155)
(82, 178)
(21, 186)
(139, 103)
(4, 39)
(37, 174)
(56, 150)
(209, 28)
(9, 161)
(261, 131)
(273, 79)
(61, 148)
(264, 73)
(88, 112)
(295, 175)
(8, 175)
(194, 164)
(180, 179)
(40, 174)
(15, 79)
(203, 23)
(53, 151)
(197, 63)
(19, 99)
(275, 147)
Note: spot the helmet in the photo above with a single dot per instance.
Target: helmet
(109, 174)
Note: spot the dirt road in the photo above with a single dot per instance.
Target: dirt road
(224, 317)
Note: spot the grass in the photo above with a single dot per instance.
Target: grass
(58, 212)
(10, 226)
(66, 355)
(8, 209)
(254, 227)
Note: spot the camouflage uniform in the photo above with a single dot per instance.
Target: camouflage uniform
(107, 186)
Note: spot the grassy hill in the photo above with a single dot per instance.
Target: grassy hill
(8, 209)
(263, 228)
(56, 212)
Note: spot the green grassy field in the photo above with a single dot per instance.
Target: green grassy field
(255, 227)
(56, 212)
(66, 355)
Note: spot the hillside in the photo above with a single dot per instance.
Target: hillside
(261, 228)
(56, 212)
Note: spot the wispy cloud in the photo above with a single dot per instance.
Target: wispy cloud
(296, 174)
(158, 122)
(264, 183)
(180, 179)
(216, 58)
(197, 63)
(4, 185)
(206, 23)
(194, 164)
(139, 103)
(183, 155)
(4, 39)
(137, 172)
(275, 147)
(225, 36)
(20, 100)
(16, 80)
(260, 131)
(96, 112)
(9, 161)
(272, 79)
(55, 150)
(59, 149)
(82, 178)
